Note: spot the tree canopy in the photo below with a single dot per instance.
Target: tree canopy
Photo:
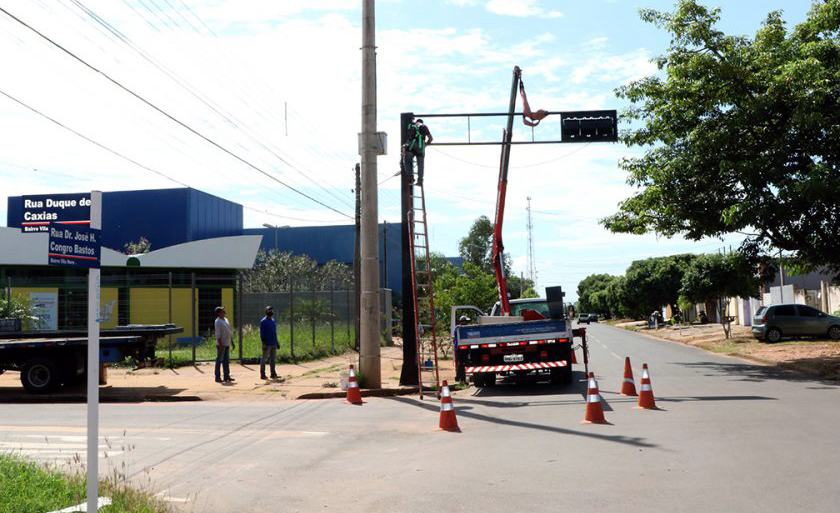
(709, 277)
(742, 135)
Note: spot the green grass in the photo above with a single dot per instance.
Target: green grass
(27, 487)
(304, 349)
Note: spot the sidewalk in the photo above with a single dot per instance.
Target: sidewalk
(310, 380)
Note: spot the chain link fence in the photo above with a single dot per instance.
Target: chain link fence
(311, 322)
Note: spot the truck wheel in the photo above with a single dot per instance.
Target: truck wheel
(40, 376)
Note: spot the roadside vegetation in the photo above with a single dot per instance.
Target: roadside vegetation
(325, 343)
(26, 487)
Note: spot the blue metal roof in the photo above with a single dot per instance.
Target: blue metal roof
(164, 216)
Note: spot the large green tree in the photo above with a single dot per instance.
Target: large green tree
(741, 135)
(592, 293)
(715, 277)
(654, 282)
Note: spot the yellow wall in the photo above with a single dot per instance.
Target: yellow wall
(151, 306)
(182, 311)
(227, 302)
(109, 305)
(24, 291)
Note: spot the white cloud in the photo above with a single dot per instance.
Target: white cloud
(520, 8)
(615, 68)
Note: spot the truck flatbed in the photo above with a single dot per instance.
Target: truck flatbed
(158, 330)
(65, 341)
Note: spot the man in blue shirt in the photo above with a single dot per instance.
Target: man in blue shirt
(268, 336)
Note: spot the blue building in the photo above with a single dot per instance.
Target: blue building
(167, 217)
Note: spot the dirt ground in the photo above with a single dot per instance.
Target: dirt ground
(818, 357)
(197, 383)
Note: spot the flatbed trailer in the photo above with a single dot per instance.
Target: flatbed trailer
(49, 359)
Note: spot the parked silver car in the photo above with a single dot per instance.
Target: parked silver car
(773, 322)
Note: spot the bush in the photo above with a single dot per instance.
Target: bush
(18, 307)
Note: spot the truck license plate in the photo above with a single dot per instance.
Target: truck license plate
(514, 358)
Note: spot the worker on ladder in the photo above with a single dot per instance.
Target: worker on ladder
(418, 137)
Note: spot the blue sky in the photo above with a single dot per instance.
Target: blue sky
(278, 83)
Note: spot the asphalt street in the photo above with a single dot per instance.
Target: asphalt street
(731, 437)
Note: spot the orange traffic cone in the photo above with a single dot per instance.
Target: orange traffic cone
(629, 386)
(574, 358)
(354, 396)
(646, 401)
(594, 410)
(448, 422)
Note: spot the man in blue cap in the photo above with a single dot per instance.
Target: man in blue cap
(268, 336)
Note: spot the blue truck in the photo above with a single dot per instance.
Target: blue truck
(49, 359)
(526, 342)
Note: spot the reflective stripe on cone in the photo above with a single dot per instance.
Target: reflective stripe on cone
(354, 395)
(628, 387)
(448, 421)
(646, 400)
(594, 409)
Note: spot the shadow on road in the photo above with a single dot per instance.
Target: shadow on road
(464, 412)
(78, 394)
(756, 373)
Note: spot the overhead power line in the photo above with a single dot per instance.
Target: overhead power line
(228, 117)
(136, 163)
(88, 139)
(170, 116)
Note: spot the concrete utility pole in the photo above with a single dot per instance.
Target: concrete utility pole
(369, 361)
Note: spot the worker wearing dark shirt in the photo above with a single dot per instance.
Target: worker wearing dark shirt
(418, 137)
(268, 336)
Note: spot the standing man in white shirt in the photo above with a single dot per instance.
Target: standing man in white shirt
(224, 342)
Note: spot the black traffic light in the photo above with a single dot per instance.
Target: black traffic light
(589, 126)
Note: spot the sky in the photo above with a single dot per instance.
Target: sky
(259, 102)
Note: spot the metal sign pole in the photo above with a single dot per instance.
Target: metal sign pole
(93, 366)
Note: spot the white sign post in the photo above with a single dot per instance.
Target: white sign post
(93, 367)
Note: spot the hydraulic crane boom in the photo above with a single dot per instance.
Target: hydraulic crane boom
(498, 246)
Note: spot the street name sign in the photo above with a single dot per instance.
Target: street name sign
(68, 209)
(74, 246)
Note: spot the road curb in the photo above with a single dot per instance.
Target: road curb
(63, 399)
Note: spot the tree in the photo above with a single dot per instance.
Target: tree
(742, 135)
(651, 283)
(715, 277)
(592, 293)
(472, 287)
(137, 248)
(517, 286)
(274, 271)
(477, 247)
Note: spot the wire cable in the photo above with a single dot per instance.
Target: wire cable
(132, 161)
(170, 116)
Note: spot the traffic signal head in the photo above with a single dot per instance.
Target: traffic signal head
(589, 126)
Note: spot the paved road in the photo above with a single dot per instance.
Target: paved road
(731, 437)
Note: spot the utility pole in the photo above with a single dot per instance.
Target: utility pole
(385, 253)
(532, 272)
(409, 374)
(369, 361)
(357, 251)
(781, 278)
